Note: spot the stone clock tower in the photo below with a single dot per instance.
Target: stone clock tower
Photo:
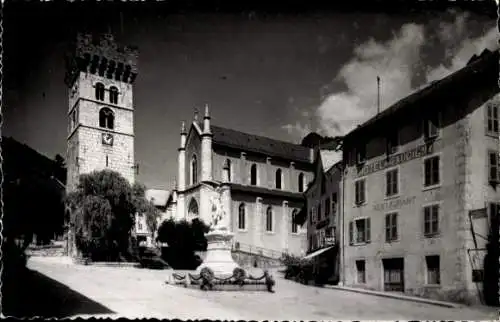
(99, 76)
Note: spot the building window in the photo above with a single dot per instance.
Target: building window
(431, 169)
(327, 207)
(431, 126)
(320, 213)
(391, 183)
(493, 172)
(106, 118)
(492, 110)
(334, 203)
(278, 179)
(269, 219)
(392, 141)
(361, 154)
(431, 220)
(301, 182)
(391, 227)
(139, 226)
(73, 120)
(228, 164)
(311, 216)
(359, 231)
(361, 272)
(253, 175)
(241, 217)
(359, 194)
(314, 215)
(99, 91)
(433, 270)
(113, 95)
(194, 170)
(295, 227)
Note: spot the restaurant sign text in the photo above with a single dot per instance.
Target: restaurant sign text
(396, 159)
(394, 204)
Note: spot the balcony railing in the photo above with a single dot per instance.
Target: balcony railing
(251, 249)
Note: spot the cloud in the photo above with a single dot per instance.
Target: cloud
(394, 61)
(297, 130)
(463, 51)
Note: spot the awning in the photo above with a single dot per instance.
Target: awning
(316, 253)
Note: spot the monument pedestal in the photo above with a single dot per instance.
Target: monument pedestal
(218, 256)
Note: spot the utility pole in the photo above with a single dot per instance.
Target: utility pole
(378, 94)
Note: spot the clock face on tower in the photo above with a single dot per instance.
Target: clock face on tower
(107, 139)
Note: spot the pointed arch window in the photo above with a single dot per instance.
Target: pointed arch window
(113, 95)
(194, 170)
(241, 217)
(269, 219)
(253, 175)
(106, 118)
(278, 179)
(301, 182)
(228, 164)
(295, 227)
(193, 208)
(99, 91)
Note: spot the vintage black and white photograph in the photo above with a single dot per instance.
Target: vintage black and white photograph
(239, 161)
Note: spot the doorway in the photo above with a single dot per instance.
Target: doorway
(393, 274)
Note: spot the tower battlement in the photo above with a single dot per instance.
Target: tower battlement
(101, 55)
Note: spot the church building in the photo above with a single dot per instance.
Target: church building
(257, 181)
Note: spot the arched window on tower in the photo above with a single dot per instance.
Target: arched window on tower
(253, 175)
(278, 179)
(99, 91)
(113, 95)
(241, 217)
(228, 163)
(269, 219)
(301, 182)
(106, 118)
(194, 170)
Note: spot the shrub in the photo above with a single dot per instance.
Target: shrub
(239, 275)
(207, 278)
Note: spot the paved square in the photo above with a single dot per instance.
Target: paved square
(133, 292)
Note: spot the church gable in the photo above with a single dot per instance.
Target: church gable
(193, 156)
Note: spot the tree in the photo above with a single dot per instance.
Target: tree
(184, 239)
(103, 210)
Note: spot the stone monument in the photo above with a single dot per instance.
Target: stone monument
(219, 241)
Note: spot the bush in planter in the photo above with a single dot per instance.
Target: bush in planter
(207, 278)
(270, 282)
(239, 275)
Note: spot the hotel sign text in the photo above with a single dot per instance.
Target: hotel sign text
(396, 159)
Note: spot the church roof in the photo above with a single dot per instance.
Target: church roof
(260, 144)
(157, 196)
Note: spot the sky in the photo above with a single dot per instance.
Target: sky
(277, 75)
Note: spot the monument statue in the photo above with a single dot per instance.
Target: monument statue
(218, 256)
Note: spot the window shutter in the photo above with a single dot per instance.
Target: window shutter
(497, 178)
(367, 230)
(351, 233)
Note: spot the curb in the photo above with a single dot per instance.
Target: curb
(396, 296)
